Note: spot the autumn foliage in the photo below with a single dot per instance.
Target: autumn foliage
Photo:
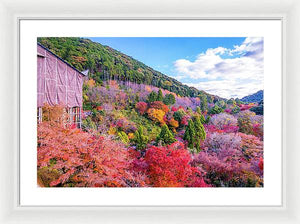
(173, 123)
(128, 140)
(141, 107)
(170, 167)
(156, 115)
(82, 159)
(54, 114)
(160, 106)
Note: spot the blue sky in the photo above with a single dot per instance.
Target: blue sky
(229, 67)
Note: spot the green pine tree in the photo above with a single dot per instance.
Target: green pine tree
(198, 110)
(207, 119)
(203, 102)
(202, 119)
(160, 96)
(169, 99)
(165, 137)
(152, 97)
(216, 110)
(200, 133)
(140, 139)
(190, 134)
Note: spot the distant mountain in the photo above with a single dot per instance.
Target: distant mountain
(254, 98)
(106, 63)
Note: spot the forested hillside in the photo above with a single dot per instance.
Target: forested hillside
(106, 63)
(254, 98)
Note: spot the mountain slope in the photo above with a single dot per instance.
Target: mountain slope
(106, 63)
(254, 98)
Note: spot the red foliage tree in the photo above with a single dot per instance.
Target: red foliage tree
(160, 106)
(185, 119)
(258, 130)
(170, 167)
(174, 109)
(141, 107)
(80, 159)
(245, 106)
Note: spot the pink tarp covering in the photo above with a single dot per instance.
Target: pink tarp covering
(57, 82)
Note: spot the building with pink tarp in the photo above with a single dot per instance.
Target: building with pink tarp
(58, 83)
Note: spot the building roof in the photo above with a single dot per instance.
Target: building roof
(84, 73)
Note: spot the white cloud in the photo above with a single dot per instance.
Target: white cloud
(228, 89)
(238, 73)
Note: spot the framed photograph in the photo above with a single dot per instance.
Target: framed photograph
(161, 118)
(183, 115)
